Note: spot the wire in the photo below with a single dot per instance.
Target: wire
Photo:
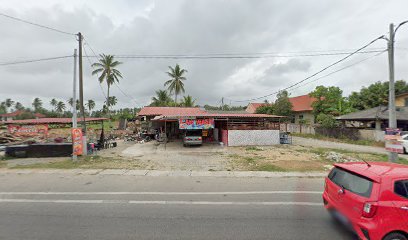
(307, 78)
(36, 24)
(34, 60)
(90, 63)
(343, 68)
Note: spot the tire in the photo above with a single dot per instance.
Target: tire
(395, 236)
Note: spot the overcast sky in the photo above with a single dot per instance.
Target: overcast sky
(197, 27)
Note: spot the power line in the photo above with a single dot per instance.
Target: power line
(36, 24)
(90, 63)
(341, 69)
(307, 78)
(34, 60)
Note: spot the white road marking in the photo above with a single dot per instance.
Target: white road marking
(162, 193)
(158, 202)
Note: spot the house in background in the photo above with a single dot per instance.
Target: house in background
(301, 106)
(401, 100)
(15, 114)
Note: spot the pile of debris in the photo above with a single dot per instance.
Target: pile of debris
(339, 158)
(8, 138)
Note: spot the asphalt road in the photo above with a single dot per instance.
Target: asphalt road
(68, 206)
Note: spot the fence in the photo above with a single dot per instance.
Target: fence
(297, 128)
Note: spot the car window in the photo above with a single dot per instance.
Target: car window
(401, 188)
(351, 182)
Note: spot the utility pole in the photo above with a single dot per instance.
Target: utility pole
(74, 111)
(222, 103)
(392, 118)
(81, 95)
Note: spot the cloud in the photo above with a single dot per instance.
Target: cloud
(194, 27)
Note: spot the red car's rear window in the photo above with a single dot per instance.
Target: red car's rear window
(352, 182)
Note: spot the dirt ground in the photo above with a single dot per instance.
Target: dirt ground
(209, 157)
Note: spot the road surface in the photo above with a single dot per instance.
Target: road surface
(69, 206)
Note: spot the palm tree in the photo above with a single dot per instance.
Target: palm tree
(188, 101)
(91, 105)
(175, 84)
(162, 99)
(37, 104)
(3, 108)
(71, 103)
(106, 67)
(8, 103)
(112, 101)
(60, 107)
(19, 106)
(53, 103)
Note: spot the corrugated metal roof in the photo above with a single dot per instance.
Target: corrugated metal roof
(380, 112)
(157, 111)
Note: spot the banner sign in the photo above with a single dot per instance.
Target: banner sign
(394, 146)
(392, 134)
(28, 129)
(77, 147)
(206, 123)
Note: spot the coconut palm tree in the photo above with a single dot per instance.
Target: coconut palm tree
(37, 104)
(161, 99)
(71, 103)
(60, 107)
(188, 101)
(106, 67)
(175, 84)
(91, 105)
(19, 106)
(112, 101)
(53, 103)
(8, 103)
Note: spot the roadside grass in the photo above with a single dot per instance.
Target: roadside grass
(87, 162)
(342, 140)
(253, 148)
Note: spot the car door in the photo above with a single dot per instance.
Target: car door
(401, 200)
(404, 142)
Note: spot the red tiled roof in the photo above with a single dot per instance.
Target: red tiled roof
(223, 115)
(257, 105)
(39, 115)
(157, 111)
(302, 103)
(50, 120)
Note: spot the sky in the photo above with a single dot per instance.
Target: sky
(198, 27)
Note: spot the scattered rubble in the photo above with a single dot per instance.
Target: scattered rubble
(339, 158)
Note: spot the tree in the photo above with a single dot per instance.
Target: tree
(91, 105)
(188, 101)
(329, 100)
(175, 84)
(326, 120)
(19, 106)
(112, 101)
(266, 109)
(8, 103)
(282, 106)
(60, 107)
(162, 99)
(106, 67)
(37, 104)
(3, 108)
(53, 103)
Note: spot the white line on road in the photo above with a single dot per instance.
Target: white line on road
(162, 193)
(159, 202)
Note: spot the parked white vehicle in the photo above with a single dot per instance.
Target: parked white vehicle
(404, 142)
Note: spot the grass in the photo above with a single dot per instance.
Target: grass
(253, 148)
(270, 168)
(342, 140)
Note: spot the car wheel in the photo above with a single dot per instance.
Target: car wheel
(405, 150)
(395, 236)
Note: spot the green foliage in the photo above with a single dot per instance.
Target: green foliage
(225, 108)
(188, 101)
(326, 120)
(282, 106)
(265, 109)
(37, 104)
(175, 84)
(329, 100)
(375, 95)
(162, 99)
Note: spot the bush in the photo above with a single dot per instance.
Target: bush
(326, 120)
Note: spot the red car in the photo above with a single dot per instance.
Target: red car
(370, 198)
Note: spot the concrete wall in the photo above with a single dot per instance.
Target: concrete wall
(297, 128)
(375, 135)
(400, 101)
(307, 116)
(253, 137)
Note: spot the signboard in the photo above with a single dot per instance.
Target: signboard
(392, 134)
(206, 123)
(394, 146)
(28, 129)
(77, 147)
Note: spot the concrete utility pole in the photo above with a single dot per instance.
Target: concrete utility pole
(74, 111)
(392, 118)
(222, 103)
(81, 95)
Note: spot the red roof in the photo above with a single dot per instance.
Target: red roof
(50, 120)
(221, 115)
(157, 111)
(302, 103)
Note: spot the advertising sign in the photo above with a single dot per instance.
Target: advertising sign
(77, 147)
(206, 123)
(394, 146)
(28, 129)
(392, 134)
